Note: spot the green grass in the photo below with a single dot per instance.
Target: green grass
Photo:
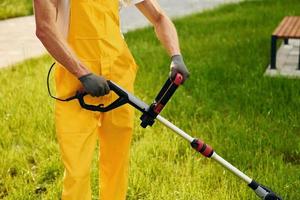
(251, 120)
(15, 8)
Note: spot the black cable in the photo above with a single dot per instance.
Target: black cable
(49, 91)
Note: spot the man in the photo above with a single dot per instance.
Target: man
(84, 38)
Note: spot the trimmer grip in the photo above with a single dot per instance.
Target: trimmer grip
(123, 99)
(161, 100)
(167, 92)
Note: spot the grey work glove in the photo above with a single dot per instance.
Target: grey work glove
(178, 66)
(94, 85)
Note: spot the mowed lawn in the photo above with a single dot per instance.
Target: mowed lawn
(251, 120)
(15, 8)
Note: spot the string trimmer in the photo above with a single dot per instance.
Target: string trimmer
(151, 113)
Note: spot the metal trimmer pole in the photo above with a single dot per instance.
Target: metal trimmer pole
(212, 155)
(207, 151)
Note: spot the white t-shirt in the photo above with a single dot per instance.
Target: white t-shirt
(129, 2)
(63, 15)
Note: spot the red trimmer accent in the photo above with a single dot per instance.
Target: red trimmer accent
(178, 79)
(202, 148)
(158, 108)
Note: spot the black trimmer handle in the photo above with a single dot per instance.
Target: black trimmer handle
(149, 112)
(167, 92)
(161, 100)
(123, 99)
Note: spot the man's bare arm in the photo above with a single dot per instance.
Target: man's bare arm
(52, 39)
(167, 34)
(164, 27)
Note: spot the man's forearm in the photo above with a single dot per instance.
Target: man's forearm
(164, 28)
(167, 34)
(60, 51)
(47, 32)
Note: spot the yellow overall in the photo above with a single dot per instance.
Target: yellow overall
(94, 35)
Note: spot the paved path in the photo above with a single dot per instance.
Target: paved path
(18, 41)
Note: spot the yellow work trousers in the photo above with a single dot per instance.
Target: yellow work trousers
(78, 131)
(77, 151)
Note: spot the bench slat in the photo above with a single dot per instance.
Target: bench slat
(283, 24)
(295, 29)
(288, 28)
(298, 31)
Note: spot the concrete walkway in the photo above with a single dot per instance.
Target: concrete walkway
(18, 40)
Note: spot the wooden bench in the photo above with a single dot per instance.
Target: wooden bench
(289, 28)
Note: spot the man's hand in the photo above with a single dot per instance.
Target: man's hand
(94, 85)
(178, 66)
